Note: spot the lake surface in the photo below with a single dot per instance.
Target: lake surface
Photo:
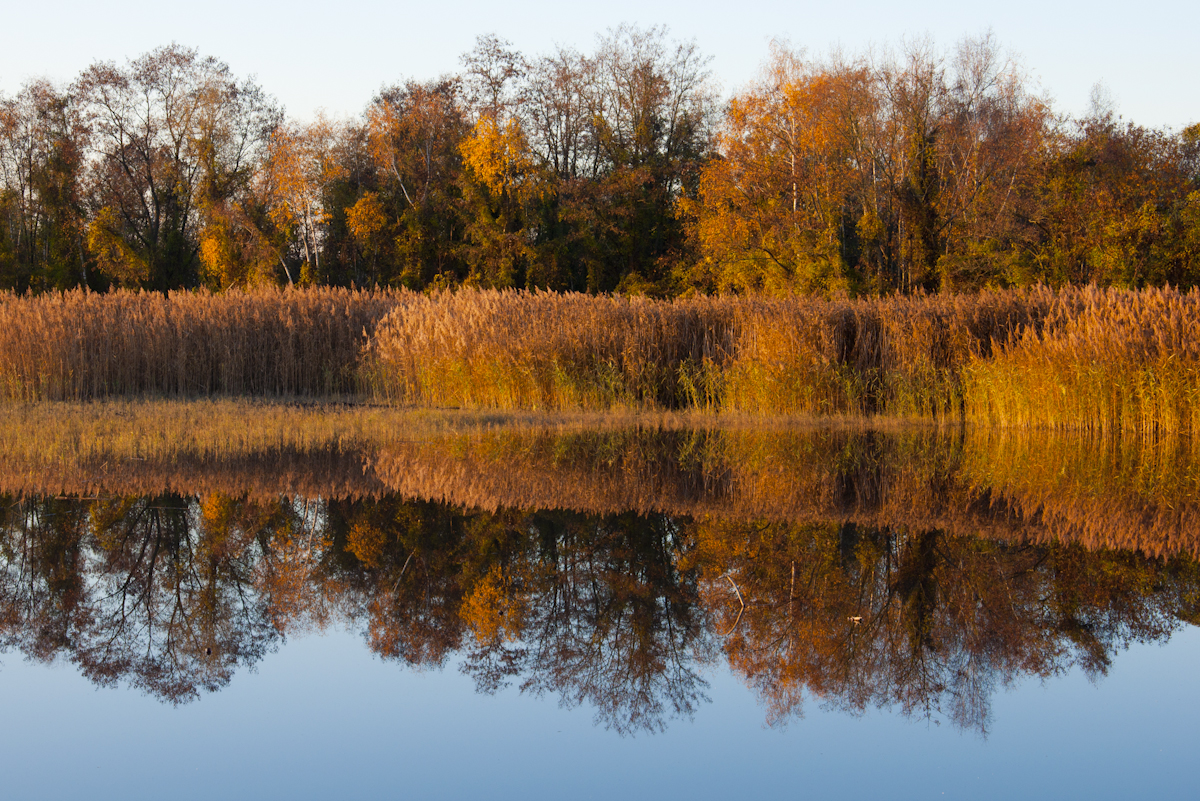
(632, 611)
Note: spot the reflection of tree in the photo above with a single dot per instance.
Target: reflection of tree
(590, 609)
(41, 568)
(610, 622)
(402, 565)
(617, 612)
(166, 604)
(926, 621)
(292, 549)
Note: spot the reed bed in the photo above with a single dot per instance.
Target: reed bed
(1076, 358)
(900, 356)
(540, 350)
(1103, 360)
(1079, 358)
(762, 356)
(80, 345)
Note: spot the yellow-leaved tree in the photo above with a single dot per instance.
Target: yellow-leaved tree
(301, 164)
(772, 210)
(502, 180)
(114, 256)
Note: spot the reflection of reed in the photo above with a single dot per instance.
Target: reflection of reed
(269, 473)
(1114, 493)
(1103, 492)
(1125, 493)
(598, 472)
(237, 448)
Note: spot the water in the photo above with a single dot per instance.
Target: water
(323, 718)
(761, 621)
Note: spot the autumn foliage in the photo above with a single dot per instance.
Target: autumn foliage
(612, 170)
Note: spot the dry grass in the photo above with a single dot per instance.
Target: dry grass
(80, 345)
(1074, 358)
(1102, 360)
(1071, 358)
(900, 356)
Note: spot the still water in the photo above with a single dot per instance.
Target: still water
(631, 612)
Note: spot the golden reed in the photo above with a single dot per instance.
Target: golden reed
(267, 342)
(1078, 358)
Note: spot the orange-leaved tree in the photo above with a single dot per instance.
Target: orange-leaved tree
(773, 209)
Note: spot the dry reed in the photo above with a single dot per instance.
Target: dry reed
(1070, 358)
(1103, 360)
(899, 356)
(80, 345)
(546, 351)
(1108, 360)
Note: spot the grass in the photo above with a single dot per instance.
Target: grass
(1077, 358)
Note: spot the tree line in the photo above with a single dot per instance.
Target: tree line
(617, 170)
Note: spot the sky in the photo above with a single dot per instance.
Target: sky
(336, 56)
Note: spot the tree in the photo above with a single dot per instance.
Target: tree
(898, 174)
(501, 183)
(492, 76)
(413, 133)
(42, 215)
(771, 213)
(651, 110)
(299, 169)
(172, 133)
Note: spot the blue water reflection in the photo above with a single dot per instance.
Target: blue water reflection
(324, 718)
(962, 615)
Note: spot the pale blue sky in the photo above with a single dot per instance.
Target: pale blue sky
(336, 56)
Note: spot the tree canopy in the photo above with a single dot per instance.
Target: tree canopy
(618, 170)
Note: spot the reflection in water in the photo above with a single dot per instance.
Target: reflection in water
(1127, 493)
(619, 611)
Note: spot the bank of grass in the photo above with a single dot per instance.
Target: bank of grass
(81, 345)
(763, 356)
(1099, 360)
(1077, 358)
